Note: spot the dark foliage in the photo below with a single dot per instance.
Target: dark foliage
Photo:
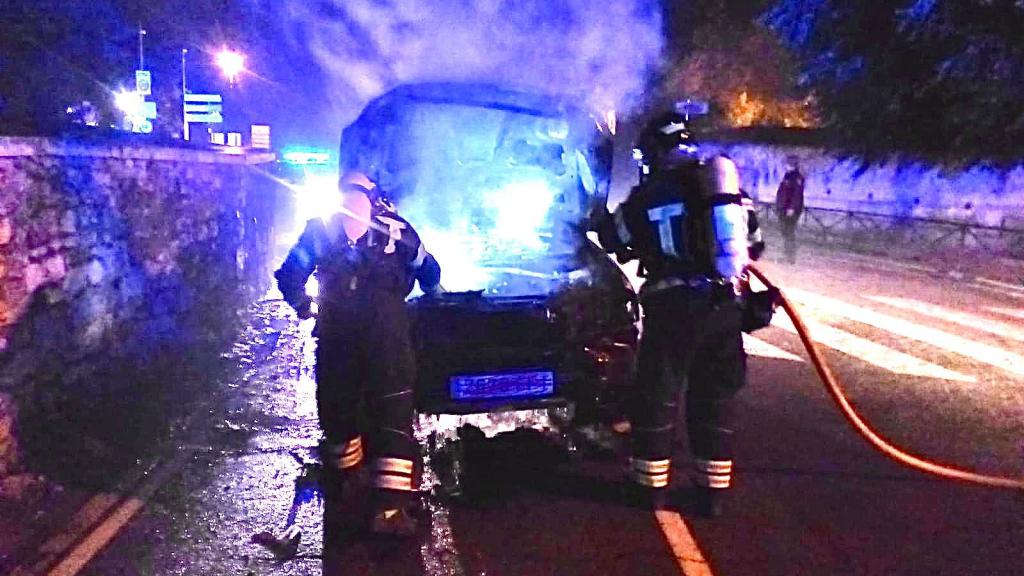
(939, 79)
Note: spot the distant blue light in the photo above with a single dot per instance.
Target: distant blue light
(502, 386)
(305, 157)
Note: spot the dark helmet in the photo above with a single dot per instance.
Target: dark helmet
(661, 135)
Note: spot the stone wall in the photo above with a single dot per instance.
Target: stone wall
(978, 195)
(115, 258)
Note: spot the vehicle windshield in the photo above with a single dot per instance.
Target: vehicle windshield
(495, 193)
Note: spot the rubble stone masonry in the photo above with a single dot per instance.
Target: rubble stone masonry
(118, 254)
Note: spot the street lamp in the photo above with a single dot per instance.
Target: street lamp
(231, 63)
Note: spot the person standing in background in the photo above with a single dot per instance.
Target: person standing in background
(789, 203)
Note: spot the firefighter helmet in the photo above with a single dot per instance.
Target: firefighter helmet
(357, 190)
(664, 133)
(358, 181)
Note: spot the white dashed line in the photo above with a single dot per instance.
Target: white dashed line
(756, 347)
(954, 316)
(1011, 312)
(872, 352)
(984, 353)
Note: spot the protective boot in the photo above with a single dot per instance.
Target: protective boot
(390, 522)
(710, 502)
(645, 498)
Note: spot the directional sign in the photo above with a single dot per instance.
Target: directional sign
(144, 82)
(260, 136)
(692, 107)
(203, 108)
(213, 98)
(209, 118)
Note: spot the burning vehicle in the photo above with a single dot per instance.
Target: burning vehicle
(499, 183)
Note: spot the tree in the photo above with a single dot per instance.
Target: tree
(939, 79)
(740, 67)
(54, 54)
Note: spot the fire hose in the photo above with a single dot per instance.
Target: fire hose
(861, 426)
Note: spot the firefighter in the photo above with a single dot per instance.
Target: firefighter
(367, 259)
(687, 224)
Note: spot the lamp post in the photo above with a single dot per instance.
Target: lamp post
(142, 60)
(184, 90)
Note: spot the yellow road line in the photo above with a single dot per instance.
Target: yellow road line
(89, 514)
(98, 539)
(688, 555)
(101, 535)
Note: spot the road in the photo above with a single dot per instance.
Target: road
(935, 363)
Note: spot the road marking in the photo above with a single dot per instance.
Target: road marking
(954, 316)
(104, 533)
(1011, 312)
(757, 347)
(872, 352)
(977, 351)
(688, 555)
(1015, 287)
(898, 264)
(98, 539)
(89, 514)
(999, 291)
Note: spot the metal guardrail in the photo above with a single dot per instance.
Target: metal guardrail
(850, 227)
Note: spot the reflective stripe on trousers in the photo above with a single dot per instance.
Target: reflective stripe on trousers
(393, 474)
(347, 454)
(712, 473)
(651, 473)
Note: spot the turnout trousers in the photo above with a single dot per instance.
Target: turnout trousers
(692, 337)
(365, 371)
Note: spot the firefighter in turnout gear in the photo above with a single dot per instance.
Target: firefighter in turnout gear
(687, 224)
(366, 258)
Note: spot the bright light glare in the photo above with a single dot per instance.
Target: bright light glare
(317, 197)
(131, 103)
(231, 63)
(521, 211)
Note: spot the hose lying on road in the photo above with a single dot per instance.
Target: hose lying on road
(836, 391)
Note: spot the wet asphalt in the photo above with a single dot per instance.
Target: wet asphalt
(810, 497)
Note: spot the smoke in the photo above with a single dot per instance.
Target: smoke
(600, 53)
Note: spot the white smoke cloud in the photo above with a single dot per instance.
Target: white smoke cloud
(598, 52)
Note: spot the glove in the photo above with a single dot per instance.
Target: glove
(758, 309)
(434, 291)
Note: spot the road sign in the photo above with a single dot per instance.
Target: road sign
(144, 126)
(149, 110)
(144, 82)
(692, 107)
(260, 136)
(197, 98)
(203, 108)
(211, 118)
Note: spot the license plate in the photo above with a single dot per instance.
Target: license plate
(503, 385)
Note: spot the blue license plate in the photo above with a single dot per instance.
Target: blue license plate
(502, 385)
